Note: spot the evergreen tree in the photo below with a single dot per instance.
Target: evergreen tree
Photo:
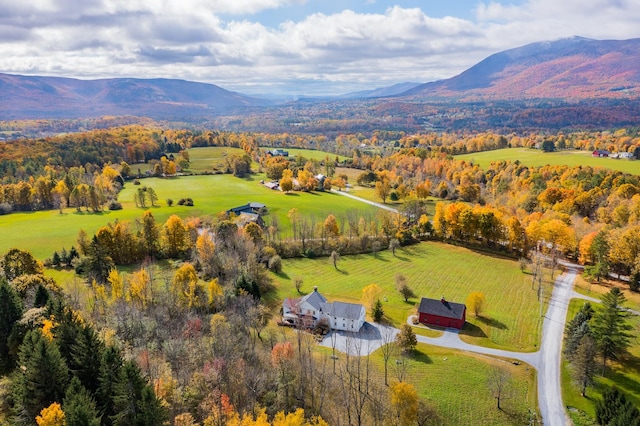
(56, 259)
(610, 328)
(10, 313)
(577, 328)
(86, 355)
(377, 311)
(42, 297)
(41, 378)
(584, 363)
(615, 409)
(79, 407)
(135, 403)
(99, 263)
(110, 370)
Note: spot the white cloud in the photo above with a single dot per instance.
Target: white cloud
(189, 39)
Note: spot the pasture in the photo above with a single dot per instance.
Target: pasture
(456, 385)
(512, 318)
(43, 232)
(536, 158)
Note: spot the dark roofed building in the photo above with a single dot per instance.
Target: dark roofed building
(442, 313)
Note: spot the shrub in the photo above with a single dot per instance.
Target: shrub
(169, 202)
(136, 181)
(185, 202)
(310, 253)
(275, 264)
(5, 208)
(115, 205)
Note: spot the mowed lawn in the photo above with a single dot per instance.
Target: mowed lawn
(45, 231)
(512, 319)
(206, 159)
(624, 374)
(535, 158)
(456, 385)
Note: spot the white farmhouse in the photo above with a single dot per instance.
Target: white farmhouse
(344, 316)
(308, 310)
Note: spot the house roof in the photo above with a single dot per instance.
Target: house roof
(343, 310)
(315, 299)
(255, 205)
(442, 308)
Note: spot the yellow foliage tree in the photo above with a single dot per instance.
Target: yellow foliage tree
(404, 399)
(476, 302)
(186, 287)
(117, 285)
(214, 291)
(47, 327)
(370, 294)
(140, 288)
(51, 416)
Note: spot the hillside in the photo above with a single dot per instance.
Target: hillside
(25, 97)
(569, 69)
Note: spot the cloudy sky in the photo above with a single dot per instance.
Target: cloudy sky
(289, 46)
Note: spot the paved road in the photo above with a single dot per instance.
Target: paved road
(373, 203)
(552, 408)
(546, 361)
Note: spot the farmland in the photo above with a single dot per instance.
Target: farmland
(536, 158)
(43, 232)
(433, 270)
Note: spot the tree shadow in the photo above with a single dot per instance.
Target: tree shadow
(491, 322)
(291, 194)
(343, 272)
(472, 330)
(402, 258)
(421, 357)
(283, 275)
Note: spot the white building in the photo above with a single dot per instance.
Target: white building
(344, 316)
(308, 310)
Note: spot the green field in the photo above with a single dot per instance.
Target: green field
(208, 158)
(433, 270)
(625, 374)
(455, 383)
(45, 231)
(536, 158)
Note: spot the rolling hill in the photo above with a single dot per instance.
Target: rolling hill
(569, 69)
(24, 97)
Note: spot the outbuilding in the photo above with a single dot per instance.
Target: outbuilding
(442, 313)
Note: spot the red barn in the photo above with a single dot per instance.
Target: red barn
(442, 313)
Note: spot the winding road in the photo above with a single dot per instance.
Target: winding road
(546, 361)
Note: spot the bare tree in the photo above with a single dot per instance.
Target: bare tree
(499, 383)
(297, 282)
(335, 256)
(388, 348)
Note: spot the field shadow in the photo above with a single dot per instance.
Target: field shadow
(421, 357)
(283, 275)
(342, 271)
(472, 330)
(291, 194)
(402, 258)
(491, 322)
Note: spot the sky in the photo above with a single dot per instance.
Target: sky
(297, 47)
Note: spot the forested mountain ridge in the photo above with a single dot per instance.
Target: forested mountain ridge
(570, 69)
(25, 97)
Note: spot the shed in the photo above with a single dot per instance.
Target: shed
(442, 313)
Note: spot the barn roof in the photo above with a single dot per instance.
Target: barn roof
(442, 308)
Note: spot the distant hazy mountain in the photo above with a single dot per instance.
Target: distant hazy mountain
(570, 69)
(381, 92)
(53, 97)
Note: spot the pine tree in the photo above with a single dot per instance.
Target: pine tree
(610, 328)
(576, 329)
(584, 363)
(377, 311)
(41, 378)
(615, 409)
(10, 313)
(135, 403)
(86, 355)
(110, 370)
(79, 407)
(42, 297)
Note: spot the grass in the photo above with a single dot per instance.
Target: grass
(535, 158)
(432, 269)
(456, 385)
(583, 286)
(209, 158)
(624, 374)
(43, 232)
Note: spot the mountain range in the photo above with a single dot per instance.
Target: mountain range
(570, 70)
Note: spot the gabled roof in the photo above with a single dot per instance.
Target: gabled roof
(255, 205)
(315, 299)
(442, 308)
(342, 310)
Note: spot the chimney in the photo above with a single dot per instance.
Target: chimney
(315, 288)
(442, 299)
